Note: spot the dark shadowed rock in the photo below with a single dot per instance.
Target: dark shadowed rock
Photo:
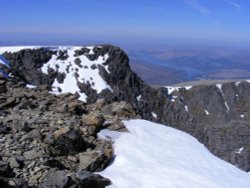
(68, 142)
(89, 180)
(5, 170)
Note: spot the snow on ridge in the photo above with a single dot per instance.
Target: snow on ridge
(83, 73)
(188, 87)
(77, 69)
(237, 83)
(171, 89)
(219, 86)
(13, 49)
(153, 155)
(91, 50)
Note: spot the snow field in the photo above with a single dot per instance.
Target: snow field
(155, 156)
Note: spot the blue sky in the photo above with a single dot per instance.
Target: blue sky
(47, 21)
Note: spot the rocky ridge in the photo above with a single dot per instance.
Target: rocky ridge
(217, 115)
(51, 141)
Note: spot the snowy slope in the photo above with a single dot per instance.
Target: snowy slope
(75, 72)
(74, 68)
(156, 156)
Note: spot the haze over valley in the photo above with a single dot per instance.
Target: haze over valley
(175, 64)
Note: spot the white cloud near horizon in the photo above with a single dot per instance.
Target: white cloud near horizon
(237, 6)
(195, 4)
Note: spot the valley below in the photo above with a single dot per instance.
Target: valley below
(161, 66)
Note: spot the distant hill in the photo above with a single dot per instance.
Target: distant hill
(158, 67)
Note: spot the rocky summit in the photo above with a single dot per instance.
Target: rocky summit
(54, 100)
(51, 141)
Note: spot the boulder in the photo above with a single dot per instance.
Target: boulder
(94, 119)
(96, 160)
(59, 179)
(68, 142)
(89, 180)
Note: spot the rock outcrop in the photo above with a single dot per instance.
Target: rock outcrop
(217, 116)
(51, 141)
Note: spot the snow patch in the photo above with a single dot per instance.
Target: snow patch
(154, 115)
(239, 150)
(219, 86)
(172, 89)
(30, 86)
(248, 81)
(225, 102)
(237, 83)
(76, 73)
(91, 52)
(109, 135)
(153, 155)
(228, 109)
(172, 98)
(186, 108)
(242, 115)
(138, 98)
(206, 112)
(188, 87)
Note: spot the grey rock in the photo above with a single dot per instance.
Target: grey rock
(95, 160)
(94, 119)
(14, 163)
(32, 154)
(58, 179)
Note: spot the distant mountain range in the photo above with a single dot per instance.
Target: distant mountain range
(157, 67)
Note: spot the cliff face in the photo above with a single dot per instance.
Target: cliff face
(217, 115)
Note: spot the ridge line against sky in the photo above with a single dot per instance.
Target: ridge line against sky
(176, 20)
